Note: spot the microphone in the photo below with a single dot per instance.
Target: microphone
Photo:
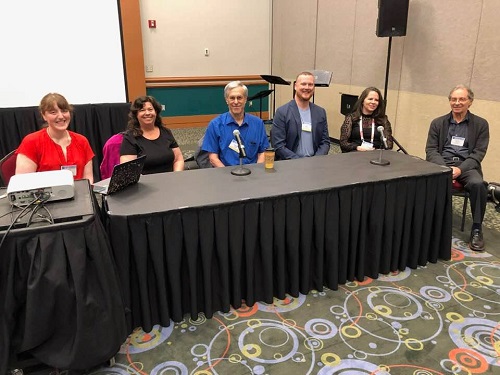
(382, 136)
(240, 170)
(241, 146)
(381, 161)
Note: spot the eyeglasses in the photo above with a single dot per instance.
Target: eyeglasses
(458, 100)
(238, 98)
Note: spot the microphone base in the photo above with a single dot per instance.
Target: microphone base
(380, 162)
(240, 171)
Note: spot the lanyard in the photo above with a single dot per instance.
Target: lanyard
(361, 129)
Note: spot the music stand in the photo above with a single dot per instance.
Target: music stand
(322, 78)
(274, 80)
(260, 95)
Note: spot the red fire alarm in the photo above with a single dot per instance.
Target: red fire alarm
(152, 24)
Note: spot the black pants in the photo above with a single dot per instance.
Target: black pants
(474, 184)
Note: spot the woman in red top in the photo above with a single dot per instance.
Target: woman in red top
(55, 147)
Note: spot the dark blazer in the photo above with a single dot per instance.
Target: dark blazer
(478, 136)
(287, 127)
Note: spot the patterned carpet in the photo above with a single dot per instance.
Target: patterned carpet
(440, 319)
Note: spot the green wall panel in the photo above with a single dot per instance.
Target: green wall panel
(203, 100)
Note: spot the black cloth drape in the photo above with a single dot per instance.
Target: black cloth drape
(206, 258)
(60, 294)
(97, 122)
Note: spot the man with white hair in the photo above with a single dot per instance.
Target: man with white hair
(219, 140)
(459, 140)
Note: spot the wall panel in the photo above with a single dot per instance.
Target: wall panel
(370, 52)
(485, 77)
(336, 31)
(237, 34)
(294, 40)
(440, 45)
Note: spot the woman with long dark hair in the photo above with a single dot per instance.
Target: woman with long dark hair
(359, 131)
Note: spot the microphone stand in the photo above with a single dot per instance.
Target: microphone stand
(240, 170)
(380, 161)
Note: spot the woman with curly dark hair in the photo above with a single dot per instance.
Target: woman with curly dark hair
(146, 135)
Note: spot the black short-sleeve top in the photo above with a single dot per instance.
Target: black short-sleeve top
(159, 154)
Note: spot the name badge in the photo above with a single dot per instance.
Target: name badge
(306, 127)
(234, 146)
(457, 141)
(71, 168)
(366, 144)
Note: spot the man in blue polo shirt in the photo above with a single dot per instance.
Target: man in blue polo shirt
(219, 141)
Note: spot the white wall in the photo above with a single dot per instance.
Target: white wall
(68, 46)
(237, 34)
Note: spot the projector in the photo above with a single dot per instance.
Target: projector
(24, 188)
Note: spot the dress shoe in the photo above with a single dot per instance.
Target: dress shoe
(476, 240)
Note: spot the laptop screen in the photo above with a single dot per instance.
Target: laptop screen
(124, 174)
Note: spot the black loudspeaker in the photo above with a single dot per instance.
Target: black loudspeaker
(347, 103)
(392, 17)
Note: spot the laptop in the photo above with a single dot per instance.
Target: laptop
(124, 174)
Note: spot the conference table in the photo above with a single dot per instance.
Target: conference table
(60, 295)
(206, 240)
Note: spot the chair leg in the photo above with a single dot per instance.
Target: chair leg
(464, 212)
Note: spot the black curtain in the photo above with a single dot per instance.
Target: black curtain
(97, 122)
